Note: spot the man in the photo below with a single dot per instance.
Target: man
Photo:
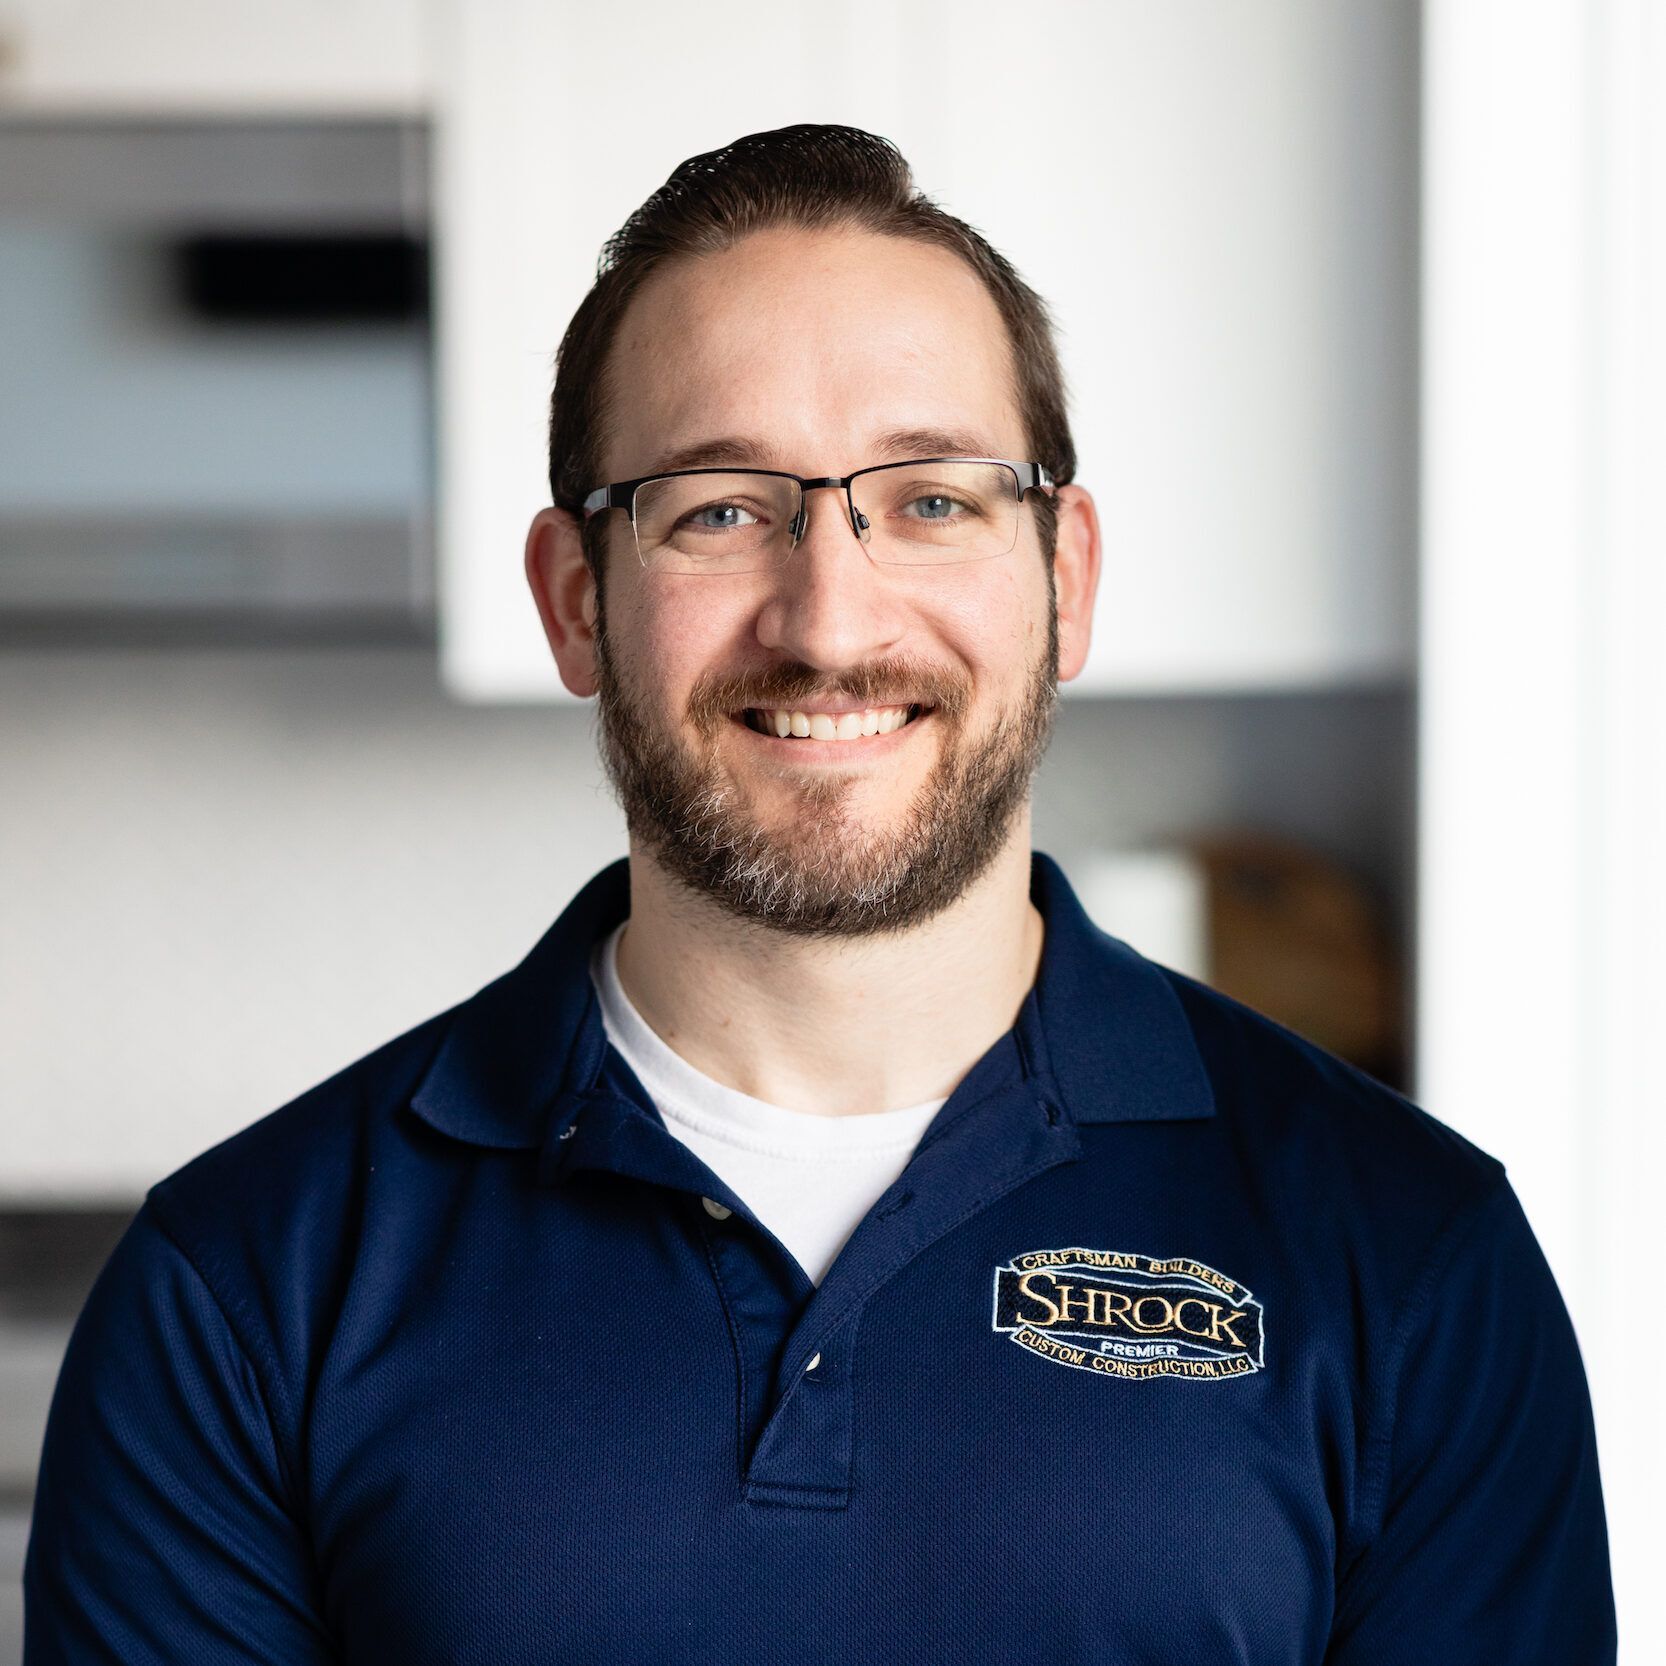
(826, 1245)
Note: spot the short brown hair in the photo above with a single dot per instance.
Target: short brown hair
(809, 176)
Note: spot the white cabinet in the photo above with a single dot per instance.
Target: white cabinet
(1218, 200)
(200, 57)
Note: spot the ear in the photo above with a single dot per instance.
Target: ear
(1075, 576)
(565, 592)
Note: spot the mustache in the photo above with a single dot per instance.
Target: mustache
(892, 682)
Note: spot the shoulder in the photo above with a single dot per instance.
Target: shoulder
(310, 1137)
(1326, 1142)
(265, 1215)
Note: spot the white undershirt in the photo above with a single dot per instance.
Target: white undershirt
(808, 1178)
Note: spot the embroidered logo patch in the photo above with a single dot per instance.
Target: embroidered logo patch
(1126, 1315)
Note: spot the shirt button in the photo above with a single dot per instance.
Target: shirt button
(717, 1211)
(814, 1362)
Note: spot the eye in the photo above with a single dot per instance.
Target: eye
(727, 517)
(938, 506)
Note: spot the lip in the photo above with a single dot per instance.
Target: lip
(832, 751)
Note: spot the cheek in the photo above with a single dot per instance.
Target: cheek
(994, 618)
(672, 634)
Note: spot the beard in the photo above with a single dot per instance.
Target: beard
(821, 872)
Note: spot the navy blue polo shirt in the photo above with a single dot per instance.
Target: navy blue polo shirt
(1177, 1340)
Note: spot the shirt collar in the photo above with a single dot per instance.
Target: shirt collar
(1103, 1021)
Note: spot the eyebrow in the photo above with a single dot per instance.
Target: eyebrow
(739, 451)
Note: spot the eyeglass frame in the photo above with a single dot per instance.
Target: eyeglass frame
(621, 494)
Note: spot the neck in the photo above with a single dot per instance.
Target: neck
(830, 1026)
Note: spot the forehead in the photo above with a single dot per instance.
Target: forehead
(811, 345)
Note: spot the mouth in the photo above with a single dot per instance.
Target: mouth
(786, 723)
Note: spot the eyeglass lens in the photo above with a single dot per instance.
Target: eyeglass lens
(918, 514)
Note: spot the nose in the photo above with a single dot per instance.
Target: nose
(847, 507)
(830, 605)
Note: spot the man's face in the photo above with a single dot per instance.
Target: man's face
(812, 347)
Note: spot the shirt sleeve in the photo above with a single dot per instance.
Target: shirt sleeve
(162, 1530)
(1491, 1543)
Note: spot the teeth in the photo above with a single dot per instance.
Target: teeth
(876, 720)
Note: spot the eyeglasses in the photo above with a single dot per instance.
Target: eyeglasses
(926, 512)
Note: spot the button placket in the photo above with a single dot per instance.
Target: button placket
(795, 1429)
(763, 1292)
(803, 1455)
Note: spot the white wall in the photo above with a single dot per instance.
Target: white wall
(1543, 719)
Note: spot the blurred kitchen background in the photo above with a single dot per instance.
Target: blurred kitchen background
(1355, 299)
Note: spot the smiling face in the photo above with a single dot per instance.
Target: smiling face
(927, 692)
